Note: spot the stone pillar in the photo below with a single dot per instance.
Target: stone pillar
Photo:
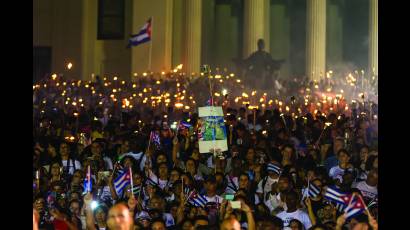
(192, 54)
(316, 39)
(373, 37)
(254, 18)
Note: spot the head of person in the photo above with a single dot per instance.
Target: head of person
(77, 177)
(372, 178)
(343, 156)
(75, 207)
(210, 184)
(201, 221)
(291, 200)
(156, 202)
(40, 204)
(119, 217)
(295, 225)
(96, 149)
(51, 150)
(372, 163)
(284, 183)
(64, 149)
(338, 144)
(273, 223)
(364, 153)
(236, 163)
(161, 158)
(191, 166)
(230, 223)
(158, 224)
(250, 155)
(174, 175)
(163, 170)
(55, 168)
(288, 152)
(187, 224)
(125, 146)
(100, 214)
(261, 44)
(244, 181)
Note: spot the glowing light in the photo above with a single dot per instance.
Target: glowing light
(69, 65)
(54, 76)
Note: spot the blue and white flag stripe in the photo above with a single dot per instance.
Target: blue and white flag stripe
(273, 168)
(199, 201)
(313, 191)
(334, 195)
(144, 35)
(121, 182)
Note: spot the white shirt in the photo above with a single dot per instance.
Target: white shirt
(367, 190)
(268, 185)
(71, 167)
(300, 215)
(336, 173)
(216, 199)
(161, 183)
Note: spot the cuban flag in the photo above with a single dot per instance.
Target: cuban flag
(273, 168)
(143, 36)
(136, 190)
(209, 102)
(356, 207)
(154, 137)
(332, 194)
(197, 200)
(122, 181)
(313, 190)
(184, 125)
(87, 181)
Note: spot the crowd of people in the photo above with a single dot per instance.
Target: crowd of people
(105, 159)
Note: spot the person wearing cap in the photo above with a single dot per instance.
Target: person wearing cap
(265, 185)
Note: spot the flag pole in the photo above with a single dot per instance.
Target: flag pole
(89, 178)
(150, 46)
(131, 182)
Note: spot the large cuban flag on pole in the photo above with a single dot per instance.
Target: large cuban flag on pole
(143, 36)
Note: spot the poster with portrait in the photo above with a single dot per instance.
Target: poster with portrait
(211, 130)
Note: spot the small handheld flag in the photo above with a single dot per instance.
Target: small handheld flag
(333, 194)
(87, 180)
(313, 190)
(122, 181)
(197, 200)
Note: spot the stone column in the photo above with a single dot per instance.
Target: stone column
(316, 39)
(192, 54)
(254, 18)
(373, 37)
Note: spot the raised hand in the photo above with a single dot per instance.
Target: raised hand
(88, 198)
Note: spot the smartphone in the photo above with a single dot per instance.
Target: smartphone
(235, 204)
(229, 197)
